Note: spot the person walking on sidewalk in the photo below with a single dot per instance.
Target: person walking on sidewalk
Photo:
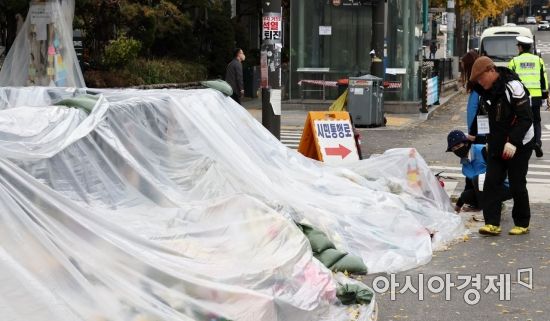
(506, 117)
(532, 72)
(234, 74)
(433, 49)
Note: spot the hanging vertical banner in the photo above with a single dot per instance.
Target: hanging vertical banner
(272, 27)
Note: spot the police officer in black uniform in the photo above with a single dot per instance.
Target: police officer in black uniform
(506, 117)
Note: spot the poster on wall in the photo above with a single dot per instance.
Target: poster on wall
(325, 30)
(264, 83)
(41, 15)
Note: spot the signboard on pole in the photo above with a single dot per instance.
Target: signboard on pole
(272, 27)
(328, 137)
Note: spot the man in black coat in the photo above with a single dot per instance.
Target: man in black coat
(234, 74)
(505, 115)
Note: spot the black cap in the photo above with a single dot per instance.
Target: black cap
(454, 138)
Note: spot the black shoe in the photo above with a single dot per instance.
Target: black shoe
(538, 151)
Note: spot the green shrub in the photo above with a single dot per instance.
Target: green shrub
(121, 52)
(146, 72)
(118, 78)
(160, 71)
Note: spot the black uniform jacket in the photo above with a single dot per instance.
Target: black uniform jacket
(508, 108)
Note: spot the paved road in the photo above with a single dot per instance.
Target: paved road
(479, 260)
(479, 255)
(488, 257)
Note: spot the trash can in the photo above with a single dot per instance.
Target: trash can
(365, 100)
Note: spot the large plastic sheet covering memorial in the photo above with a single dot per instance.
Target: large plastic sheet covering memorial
(179, 205)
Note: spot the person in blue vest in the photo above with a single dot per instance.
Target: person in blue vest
(473, 167)
(467, 61)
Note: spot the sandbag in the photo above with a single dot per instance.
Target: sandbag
(330, 256)
(325, 251)
(351, 264)
(219, 85)
(354, 294)
(84, 102)
(318, 240)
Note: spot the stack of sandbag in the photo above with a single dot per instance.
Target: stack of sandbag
(325, 251)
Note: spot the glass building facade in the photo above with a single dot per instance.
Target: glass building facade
(337, 34)
(404, 47)
(328, 34)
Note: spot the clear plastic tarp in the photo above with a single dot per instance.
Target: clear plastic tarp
(43, 52)
(179, 205)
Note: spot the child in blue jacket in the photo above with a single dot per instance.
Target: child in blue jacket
(473, 168)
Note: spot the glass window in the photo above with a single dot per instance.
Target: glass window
(343, 48)
(404, 42)
(500, 48)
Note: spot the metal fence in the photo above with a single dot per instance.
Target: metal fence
(443, 68)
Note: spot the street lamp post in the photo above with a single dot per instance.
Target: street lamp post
(377, 68)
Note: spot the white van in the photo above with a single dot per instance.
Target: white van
(500, 44)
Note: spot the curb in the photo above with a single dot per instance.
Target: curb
(431, 110)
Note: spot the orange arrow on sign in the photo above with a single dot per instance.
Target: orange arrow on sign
(337, 151)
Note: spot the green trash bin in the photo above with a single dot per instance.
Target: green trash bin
(365, 101)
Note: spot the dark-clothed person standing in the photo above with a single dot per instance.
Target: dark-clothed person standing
(234, 74)
(532, 72)
(433, 49)
(505, 115)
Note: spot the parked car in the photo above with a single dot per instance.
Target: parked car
(544, 25)
(531, 20)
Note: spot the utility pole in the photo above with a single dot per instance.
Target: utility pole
(270, 63)
(450, 27)
(378, 39)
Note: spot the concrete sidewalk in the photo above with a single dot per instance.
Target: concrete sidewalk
(296, 117)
